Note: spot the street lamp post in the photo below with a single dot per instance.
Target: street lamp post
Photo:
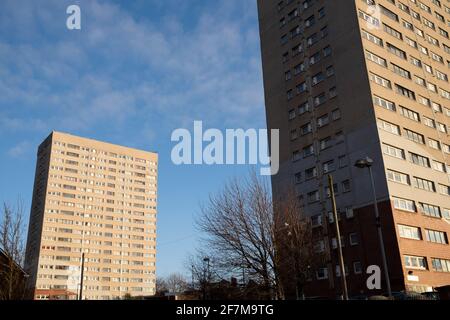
(367, 163)
(338, 238)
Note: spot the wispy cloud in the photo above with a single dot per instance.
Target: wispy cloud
(122, 69)
(20, 149)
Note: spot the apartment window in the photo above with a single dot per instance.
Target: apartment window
(318, 77)
(333, 92)
(305, 129)
(314, 58)
(321, 13)
(414, 262)
(294, 134)
(323, 120)
(316, 220)
(419, 160)
(436, 236)
(393, 151)
(346, 187)
(445, 190)
(441, 76)
(327, 51)
(428, 122)
(429, 24)
(423, 184)
(437, 57)
(302, 87)
(446, 213)
(411, 42)
(440, 265)
(330, 71)
(408, 25)
(398, 52)
(401, 72)
(297, 50)
(308, 151)
(336, 114)
(445, 94)
(290, 94)
(372, 20)
(434, 144)
(291, 114)
(349, 213)
(298, 177)
(324, 32)
(296, 155)
(328, 166)
(313, 196)
(398, 177)
(325, 143)
(384, 103)
(439, 166)
(388, 13)
(299, 68)
(404, 204)
(415, 61)
(409, 232)
(420, 81)
(372, 38)
(388, 126)
(377, 59)
(322, 274)
(357, 267)
(436, 107)
(405, 92)
(354, 239)
(380, 80)
(392, 31)
(311, 40)
(408, 113)
(309, 21)
(442, 127)
(343, 161)
(414, 136)
(304, 107)
(430, 210)
(311, 173)
(288, 75)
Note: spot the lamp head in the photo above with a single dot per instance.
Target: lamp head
(364, 163)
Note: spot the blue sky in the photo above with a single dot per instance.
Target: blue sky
(135, 72)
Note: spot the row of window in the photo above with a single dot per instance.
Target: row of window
(415, 233)
(426, 209)
(409, 113)
(410, 94)
(417, 182)
(102, 153)
(314, 196)
(411, 135)
(416, 262)
(376, 23)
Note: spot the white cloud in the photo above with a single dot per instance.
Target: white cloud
(119, 68)
(20, 149)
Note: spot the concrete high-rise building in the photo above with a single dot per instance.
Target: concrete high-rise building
(349, 79)
(97, 200)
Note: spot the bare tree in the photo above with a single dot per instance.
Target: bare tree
(161, 286)
(12, 277)
(176, 283)
(203, 271)
(298, 254)
(245, 228)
